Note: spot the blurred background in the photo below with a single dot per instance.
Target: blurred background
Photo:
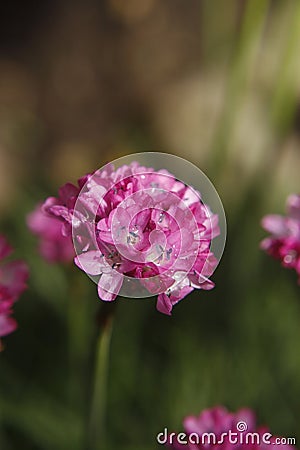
(218, 83)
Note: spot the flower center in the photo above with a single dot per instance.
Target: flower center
(133, 237)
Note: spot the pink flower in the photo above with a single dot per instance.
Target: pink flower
(13, 277)
(284, 242)
(53, 246)
(137, 225)
(218, 428)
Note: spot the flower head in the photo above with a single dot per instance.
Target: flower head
(53, 245)
(13, 277)
(135, 226)
(284, 242)
(219, 429)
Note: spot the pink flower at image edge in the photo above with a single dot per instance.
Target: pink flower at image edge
(284, 240)
(53, 246)
(13, 278)
(218, 421)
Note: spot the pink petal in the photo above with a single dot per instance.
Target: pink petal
(246, 415)
(164, 304)
(293, 206)
(91, 262)
(5, 248)
(109, 285)
(267, 243)
(7, 325)
(274, 224)
(67, 193)
(61, 211)
(14, 276)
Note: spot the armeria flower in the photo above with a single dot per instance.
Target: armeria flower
(13, 277)
(284, 242)
(138, 224)
(53, 246)
(219, 429)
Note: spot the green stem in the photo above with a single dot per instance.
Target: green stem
(79, 335)
(97, 424)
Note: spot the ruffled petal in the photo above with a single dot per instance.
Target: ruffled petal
(274, 224)
(7, 325)
(109, 285)
(91, 262)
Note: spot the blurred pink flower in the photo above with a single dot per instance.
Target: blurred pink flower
(284, 242)
(53, 246)
(13, 277)
(139, 223)
(219, 429)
